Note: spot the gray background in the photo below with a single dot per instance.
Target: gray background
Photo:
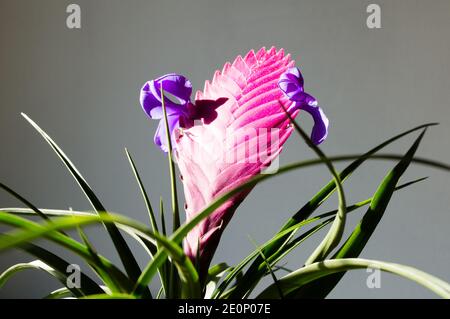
(82, 86)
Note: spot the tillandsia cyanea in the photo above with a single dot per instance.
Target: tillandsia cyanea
(224, 141)
(234, 130)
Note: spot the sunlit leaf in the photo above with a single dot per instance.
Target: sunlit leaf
(364, 230)
(318, 270)
(126, 256)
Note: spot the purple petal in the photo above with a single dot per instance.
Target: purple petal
(320, 129)
(160, 138)
(177, 92)
(150, 100)
(175, 84)
(291, 83)
(301, 99)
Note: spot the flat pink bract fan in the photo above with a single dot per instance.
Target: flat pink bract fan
(242, 140)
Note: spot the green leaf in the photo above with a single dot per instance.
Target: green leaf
(364, 230)
(328, 189)
(187, 271)
(152, 267)
(88, 286)
(173, 280)
(98, 266)
(173, 183)
(160, 293)
(291, 245)
(391, 157)
(163, 220)
(32, 230)
(273, 260)
(269, 269)
(250, 279)
(110, 296)
(299, 165)
(318, 270)
(162, 271)
(39, 265)
(58, 213)
(165, 269)
(217, 269)
(59, 294)
(336, 231)
(24, 201)
(125, 254)
(56, 267)
(288, 247)
(143, 192)
(149, 246)
(215, 274)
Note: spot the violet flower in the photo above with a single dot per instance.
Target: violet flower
(181, 112)
(291, 83)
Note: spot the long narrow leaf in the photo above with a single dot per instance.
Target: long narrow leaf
(173, 280)
(288, 247)
(125, 254)
(148, 245)
(269, 269)
(164, 270)
(39, 265)
(364, 230)
(23, 200)
(98, 266)
(57, 267)
(160, 257)
(334, 235)
(59, 294)
(318, 270)
(249, 279)
(88, 286)
(143, 192)
(35, 230)
(173, 183)
(187, 271)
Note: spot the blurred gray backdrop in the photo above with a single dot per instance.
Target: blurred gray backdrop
(82, 86)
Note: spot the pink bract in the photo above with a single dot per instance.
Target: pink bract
(245, 137)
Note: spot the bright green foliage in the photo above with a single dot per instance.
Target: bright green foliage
(178, 276)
